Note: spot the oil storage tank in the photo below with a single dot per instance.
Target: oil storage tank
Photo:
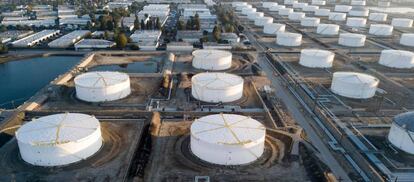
(310, 21)
(401, 133)
(217, 87)
(322, 12)
(316, 58)
(381, 29)
(262, 21)
(378, 17)
(227, 139)
(59, 139)
(402, 22)
(354, 85)
(351, 39)
(356, 22)
(327, 29)
(288, 39)
(102, 86)
(296, 16)
(273, 28)
(210, 59)
(335, 16)
(407, 39)
(397, 59)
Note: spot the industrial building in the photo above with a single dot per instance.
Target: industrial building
(36, 38)
(69, 39)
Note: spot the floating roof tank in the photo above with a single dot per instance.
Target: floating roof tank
(397, 59)
(310, 21)
(310, 8)
(354, 85)
(316, 58)
(289, 2)
(59, 139)
(359, 11)
(212, 59)
(323, 12)
(402, 22)
(269, 4)
(263, 21)
(351, 39)
(288, 39)
(273, 28)
(380, 29)
(379, 17)
(342, 8)
(335, 16)
(327, 29)
(296, 16)
(102, 86)
(401, 133)
(407, 39)
(318, 2)
(358, 3)
(217, 87)
(356, 22)
(285, 11)
(276, 8)
(227, 139)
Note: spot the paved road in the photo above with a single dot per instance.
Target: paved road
(293, 107)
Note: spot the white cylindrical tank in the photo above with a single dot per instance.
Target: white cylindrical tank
(335, 16)
(299, 5)
(269, 4)
(212, 59)
(273, 28)
(379, 17)
(380, 29)
(323, 12)
(354, 85)
(59, 139)
(263, 21)
(255, 15)
(246, 11)
(407, 39)
(397, 59)
(296, 16)
(276, 8)
(384, 3)
(342, 8)
(310, 8)
(289, 2)
(316, 58)
(310, 22)
(402, 22)
(351, 39)
(401, 133)
(227, 139)
(318, 2)
(327, 29)
(285, 11)
(359, 12)
(358, 3)
(356, 22)
(288, 39)
(217, 87)
(102, 86)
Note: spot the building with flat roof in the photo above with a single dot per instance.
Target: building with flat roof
(190, 36)
(94, 44)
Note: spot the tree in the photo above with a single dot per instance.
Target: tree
(89, 25)
(136, 23)
(217, 32)
(121, 40)
(189, 24)
(197, 24)
(106, 35)
(110, 25)
(158, 23)
(3, 48)
(143, 26)
(229, 28)
(180, 25)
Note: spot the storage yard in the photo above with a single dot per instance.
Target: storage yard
(324, 93)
